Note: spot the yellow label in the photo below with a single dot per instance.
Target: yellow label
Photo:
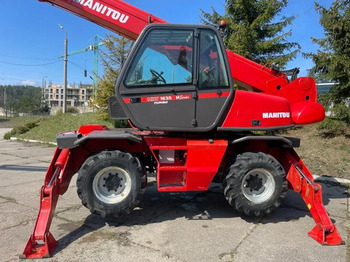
(309, 206)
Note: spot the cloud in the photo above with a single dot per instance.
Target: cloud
(28, 83)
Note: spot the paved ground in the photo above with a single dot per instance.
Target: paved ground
(165, 227)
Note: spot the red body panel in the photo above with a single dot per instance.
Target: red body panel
(256, 110)
(268, 110)
(86, 129)
(301, 89)
(301, 94)
(204, 159)
(304, 113)
(186, 164)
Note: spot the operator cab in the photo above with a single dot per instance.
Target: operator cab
(175, 78)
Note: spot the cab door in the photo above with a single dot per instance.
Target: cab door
(213, 84)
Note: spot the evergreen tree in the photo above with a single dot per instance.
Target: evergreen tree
(255, 31)
(22, 99)
(117, 49)
(332, 60)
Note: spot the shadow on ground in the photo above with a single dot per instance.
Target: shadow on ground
(23, 168)
(159, 207)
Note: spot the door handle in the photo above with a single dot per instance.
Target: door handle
(135, 100)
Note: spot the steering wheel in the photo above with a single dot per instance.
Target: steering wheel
(208, 70)
(157, 76)
(211, 69)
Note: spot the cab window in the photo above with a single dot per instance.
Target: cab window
(164, 58)
(212, 70)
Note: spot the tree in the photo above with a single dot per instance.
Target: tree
(254, 30)
(30, 101)
(332, 60)
(117, 49)
(22, 99)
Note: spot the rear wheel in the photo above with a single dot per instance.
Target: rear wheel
(255, 184)
(111, 183)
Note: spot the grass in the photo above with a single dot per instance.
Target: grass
(49, 127)
(18, 121)
(323, 156)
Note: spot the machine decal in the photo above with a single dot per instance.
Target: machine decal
(276, 115)
(164, 98)
(104, 10)
(159, 99)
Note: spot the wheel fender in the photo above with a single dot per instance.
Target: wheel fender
(73, 139)
(286, 141)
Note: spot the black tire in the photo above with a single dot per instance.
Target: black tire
(111, 183)
(255, 184)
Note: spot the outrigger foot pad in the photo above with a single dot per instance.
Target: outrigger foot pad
(326, 236)
(40, 248)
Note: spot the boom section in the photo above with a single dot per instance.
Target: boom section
(115, 15)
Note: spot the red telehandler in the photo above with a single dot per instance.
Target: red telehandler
(190, 127)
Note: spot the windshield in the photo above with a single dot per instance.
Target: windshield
(164, 58)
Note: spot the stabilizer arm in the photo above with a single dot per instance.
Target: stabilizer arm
(67, 159)
(301, 181)
(41, 243)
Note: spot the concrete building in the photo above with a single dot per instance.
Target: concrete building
(324, 87)
(77, 96)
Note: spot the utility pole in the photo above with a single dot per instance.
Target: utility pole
(64, 108)
(5, 101)
(95, 69)
(43, 86)
(94, 48)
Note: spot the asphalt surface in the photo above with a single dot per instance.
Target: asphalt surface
(164, 227)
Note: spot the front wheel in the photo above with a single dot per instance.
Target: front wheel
(111, 183)
(255, 184)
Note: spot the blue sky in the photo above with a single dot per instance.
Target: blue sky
(32, 41)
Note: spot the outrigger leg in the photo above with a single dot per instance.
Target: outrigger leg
(41, 243)
(301, 181)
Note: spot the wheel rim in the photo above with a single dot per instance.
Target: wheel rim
(112, 185)
(258, 185)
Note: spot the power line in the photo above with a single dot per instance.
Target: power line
(79, 66)
(307, 10)
(28, 58)
(7, 63)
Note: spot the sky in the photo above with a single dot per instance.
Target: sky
(31, 40)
